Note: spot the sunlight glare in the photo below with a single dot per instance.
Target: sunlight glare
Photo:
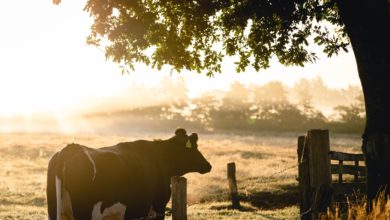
(47, 68)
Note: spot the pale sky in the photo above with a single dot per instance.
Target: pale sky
(46, 66)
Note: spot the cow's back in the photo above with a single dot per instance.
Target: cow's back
(128, 173)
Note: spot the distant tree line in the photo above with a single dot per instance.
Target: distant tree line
(269, 107)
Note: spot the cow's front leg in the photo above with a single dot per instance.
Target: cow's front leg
(159, 212)
(160, 202)
(137, 211)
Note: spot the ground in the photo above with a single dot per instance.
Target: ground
(265, 164)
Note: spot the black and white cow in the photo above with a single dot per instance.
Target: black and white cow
(126, 180)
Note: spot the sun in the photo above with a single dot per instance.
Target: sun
(46, 65)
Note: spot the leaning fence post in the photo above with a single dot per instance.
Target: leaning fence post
(231, 175)
(319, 163)
(318, 143)
(179, 198)
(305, 193)
(321, 201)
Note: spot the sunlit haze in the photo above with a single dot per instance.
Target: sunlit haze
(46, 68)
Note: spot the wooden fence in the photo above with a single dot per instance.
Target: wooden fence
(179, 193)
(316, 165)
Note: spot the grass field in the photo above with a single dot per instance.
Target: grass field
(265, 191)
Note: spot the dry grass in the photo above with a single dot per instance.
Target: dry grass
(265, 193)
(357, 210)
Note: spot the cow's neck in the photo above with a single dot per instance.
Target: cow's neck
(169, 159)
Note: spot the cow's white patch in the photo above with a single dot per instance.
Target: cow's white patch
(116, 211)
(58, 197)
(66, 205)
(93, 164)
(188, 144)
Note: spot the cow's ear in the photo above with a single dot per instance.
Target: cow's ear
(181, 132)
(193, 138)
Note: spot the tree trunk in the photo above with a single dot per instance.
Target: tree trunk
(367, 23)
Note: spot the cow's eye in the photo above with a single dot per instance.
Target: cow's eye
(188, 144)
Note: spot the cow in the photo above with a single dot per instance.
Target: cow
(126, 180)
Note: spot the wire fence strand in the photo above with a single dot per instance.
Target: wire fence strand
(264, 179)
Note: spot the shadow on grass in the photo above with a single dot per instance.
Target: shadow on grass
(255, 155)
(230, 207)
(38, 202)
(288, 195)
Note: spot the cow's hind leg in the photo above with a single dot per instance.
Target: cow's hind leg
(82, 210)
(51, 188)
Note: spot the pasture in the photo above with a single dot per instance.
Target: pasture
(268, 190)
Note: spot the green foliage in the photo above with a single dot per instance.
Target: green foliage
(196, 35)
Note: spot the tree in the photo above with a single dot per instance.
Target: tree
(354, 113)
(273, 92)
(196, 35)
(236, 98)
(351, 117)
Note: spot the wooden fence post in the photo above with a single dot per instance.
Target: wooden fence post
(320, 174)
(322, 199)
(318, 143)
(231, 175)
(179, 198)
(305, 194)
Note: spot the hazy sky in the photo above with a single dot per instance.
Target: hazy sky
(46, 67)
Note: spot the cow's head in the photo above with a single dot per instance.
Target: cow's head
(186, 156)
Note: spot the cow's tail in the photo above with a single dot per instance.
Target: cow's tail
(55, 179)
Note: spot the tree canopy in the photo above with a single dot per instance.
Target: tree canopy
(196, 35)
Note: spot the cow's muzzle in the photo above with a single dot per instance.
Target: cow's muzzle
(206, 169)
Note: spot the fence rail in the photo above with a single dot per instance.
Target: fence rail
(348, 169)
(341, 187)
(334, 155)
